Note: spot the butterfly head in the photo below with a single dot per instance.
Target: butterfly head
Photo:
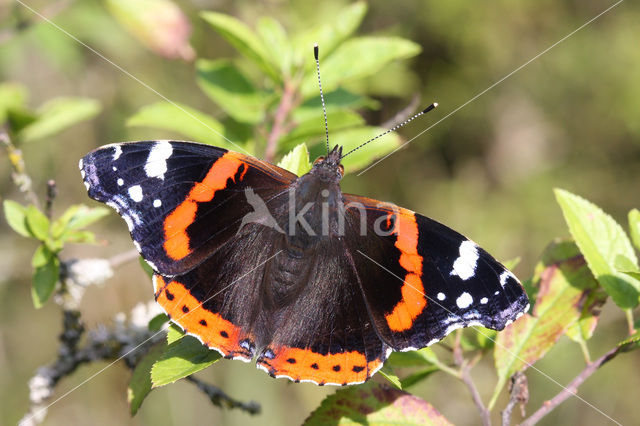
(329, 168)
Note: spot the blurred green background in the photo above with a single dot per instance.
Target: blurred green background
(569, 119)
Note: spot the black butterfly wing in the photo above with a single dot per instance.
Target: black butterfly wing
(181, 200)
(421, 280)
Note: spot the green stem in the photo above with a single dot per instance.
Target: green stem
(629, 315)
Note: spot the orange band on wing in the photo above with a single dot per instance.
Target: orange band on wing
(177, 245)
(413, 299)
(304, 364)
(213, 330)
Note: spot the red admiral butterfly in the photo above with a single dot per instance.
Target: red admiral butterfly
(316, 285)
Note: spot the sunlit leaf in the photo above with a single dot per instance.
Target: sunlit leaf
(140, 383)
(159, 25)
(274, 36)
(16, 216)
(312, 129)
(231, 90)
(174, 333)
(563, 279)
(634, 227)
(37, 223)
(189, 122)
(337, 100)
(358, 58)
(243, 39)
(57, 115)
(182, 358)
(601, 240)
(372, 404)
(329, 34)
(46, 274)
(512, 263)
(421, 357)
(388, 373)
(351, 138)
(297, 160)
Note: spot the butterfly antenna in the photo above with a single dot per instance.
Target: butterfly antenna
(424, 111)
(324, 109)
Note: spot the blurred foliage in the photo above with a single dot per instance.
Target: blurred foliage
(568, 119)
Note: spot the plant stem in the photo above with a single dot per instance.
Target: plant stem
(285, 106)
(571, 389)
(585, 351)
(19, 173)
(465, 376)
(631, 326)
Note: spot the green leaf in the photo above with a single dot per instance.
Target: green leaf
(601, 240)
(630, 344)
(182, 358)
(179, 118)
(632, 274)
(329, 34)
(57, 115)
(297, 160)
(273, 35)
(45, 275)
(78, 237)
(417, 358)
(243, 39)
(338, 100)
(174, 333)
(146, 267)
(351, 138)
(387, 373)
(374, 404)
(16, 216)
(140, 383)
(634, 227)
(37, 223)
(418, 376)
(563, 280)
(76, 217)
(312, 129)
(157, 322)
(485, 338)
(231, 90)
(12, 96)
(356, 59)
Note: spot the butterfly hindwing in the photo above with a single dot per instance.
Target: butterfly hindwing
(324, 334)
(180, 200)
(421, 279)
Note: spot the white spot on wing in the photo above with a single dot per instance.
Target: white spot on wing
(86, 185)
(464, 301)
(484, 300)
(115, 169)
(157, 203)
(80, 164)
(504, 277)
(156, 165)
(135, 192)
(117, 152)
(441, 296)
(465, 265)
(120, 182)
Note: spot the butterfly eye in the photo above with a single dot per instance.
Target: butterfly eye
(318, 160)
(341, 169)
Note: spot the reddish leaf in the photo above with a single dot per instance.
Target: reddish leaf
(374, 403)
